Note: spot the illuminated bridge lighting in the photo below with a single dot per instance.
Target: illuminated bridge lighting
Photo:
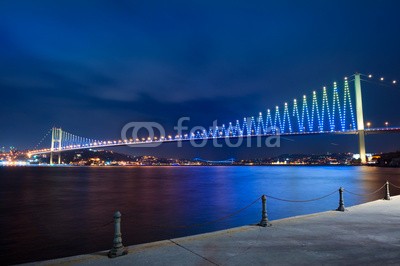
(327, 111)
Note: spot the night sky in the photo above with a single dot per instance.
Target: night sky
(92, 66)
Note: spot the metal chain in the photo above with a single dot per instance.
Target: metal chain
(252, 203)
(364, 195)
(214, 221)
(315, 199)
(110, 222)
(393, 185)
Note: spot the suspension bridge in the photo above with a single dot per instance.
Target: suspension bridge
(323, 113)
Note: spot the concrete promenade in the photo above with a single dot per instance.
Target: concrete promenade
(367, 234)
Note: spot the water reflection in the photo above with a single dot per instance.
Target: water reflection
(62, 211)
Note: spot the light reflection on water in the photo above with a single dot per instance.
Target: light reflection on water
(56, 212)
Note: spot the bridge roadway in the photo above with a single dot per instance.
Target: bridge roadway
(365, 234)
(109, 144)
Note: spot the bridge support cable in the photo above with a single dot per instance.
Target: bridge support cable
(325, 113)
(71, 141)
(37, 146)
(62, 140)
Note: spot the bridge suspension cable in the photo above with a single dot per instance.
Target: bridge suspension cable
(329, 110)
(230, 161)
(43, 139)
(325, 114)
(69, 140)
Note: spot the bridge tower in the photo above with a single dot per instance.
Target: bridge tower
(360, 119)
(56, 138)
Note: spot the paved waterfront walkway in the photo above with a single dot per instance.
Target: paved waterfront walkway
(367, 234)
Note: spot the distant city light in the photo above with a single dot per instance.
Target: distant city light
(382, 79)
(370, 76)
(394, 81)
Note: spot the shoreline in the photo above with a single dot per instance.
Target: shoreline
(216, 165)
(328, 237)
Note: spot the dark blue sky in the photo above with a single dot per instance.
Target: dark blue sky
(92, 66)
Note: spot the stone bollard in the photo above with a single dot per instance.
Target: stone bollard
(387, 196)
(118, 249)
(264, 217)
(341, 202)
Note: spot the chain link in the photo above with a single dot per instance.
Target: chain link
(394, 185)
(252, 203)
(315, 199)
(364, 195)
(214, 221)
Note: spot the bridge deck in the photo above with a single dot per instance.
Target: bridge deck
(108, 144)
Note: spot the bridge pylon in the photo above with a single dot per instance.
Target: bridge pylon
(360, 118)
(56, 138)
